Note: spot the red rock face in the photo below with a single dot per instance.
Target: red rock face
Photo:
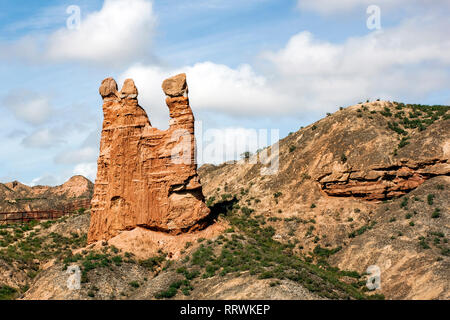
(146, 177)
(383, 183)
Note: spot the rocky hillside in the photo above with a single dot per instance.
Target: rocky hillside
(15, 196)
(242, 263)
(367, 185)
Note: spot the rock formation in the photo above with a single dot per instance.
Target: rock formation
(328, 172)
(381, 183)
(146, 177)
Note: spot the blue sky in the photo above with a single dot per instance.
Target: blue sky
(251, 64)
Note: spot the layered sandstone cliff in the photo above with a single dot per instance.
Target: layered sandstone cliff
(146, 177)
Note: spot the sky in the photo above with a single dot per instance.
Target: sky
(251, 65)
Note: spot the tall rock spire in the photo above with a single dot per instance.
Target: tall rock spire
(146, 177)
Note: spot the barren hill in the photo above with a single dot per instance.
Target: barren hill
(367, 185)
(15, 196)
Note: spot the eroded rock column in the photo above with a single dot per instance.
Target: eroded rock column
(146, 177)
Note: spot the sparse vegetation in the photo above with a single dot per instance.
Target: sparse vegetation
(210, 201)
(361, 230)
(436, 213)
(7, 292)
(423, 243)
(430, 199)
(246, 155)
(153, 262)
(403, 142)
(253, 250)
(386, 112)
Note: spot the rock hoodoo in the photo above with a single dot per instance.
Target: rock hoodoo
(146, 177)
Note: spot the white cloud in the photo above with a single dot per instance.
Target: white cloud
(212, 87)
(46, 180)
(84, 154)
(86, 169)
(409, 60)
(121, 30)
(310, 76)
(335, 7)
(16, 133)
(29, 106)
(119, 33)
(42, 139)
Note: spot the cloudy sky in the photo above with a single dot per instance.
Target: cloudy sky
(251, 64)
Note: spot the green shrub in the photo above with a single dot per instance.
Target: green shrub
(226, 196)
(117, 260)
(436, 213)
(210, 201)
(430, 199)
(169, 293)
(403, 142)
(324, 252)
(361, 230)
(277, 194)
(247, 211)
(386, 112)
(352, 274)
(395, 127)
(246, 155)
(152, 262)
(423, 244)
(7, 292)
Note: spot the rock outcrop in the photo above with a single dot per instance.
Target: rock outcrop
(329, 171)
(380, 183)
(146, 177)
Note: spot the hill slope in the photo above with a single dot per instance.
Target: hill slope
(364, 186)
(15, 196)
(371, 182)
